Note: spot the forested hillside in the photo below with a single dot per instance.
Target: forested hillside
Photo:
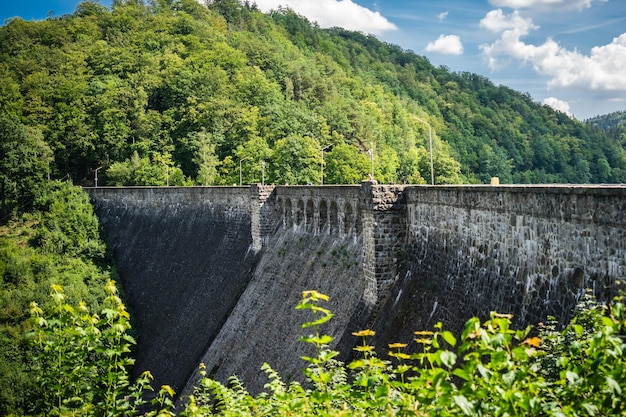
(56, 244)
(174, 92)
(609, 122)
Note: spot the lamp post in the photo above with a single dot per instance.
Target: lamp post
(240, 177)
(322, 164)
(263, 172)
(95, 176)
(372, 159)
(430, 140)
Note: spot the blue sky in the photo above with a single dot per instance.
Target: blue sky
(570, 54)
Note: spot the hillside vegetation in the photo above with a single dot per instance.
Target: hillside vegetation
(174, 92)
(611, 122)
(56, 244)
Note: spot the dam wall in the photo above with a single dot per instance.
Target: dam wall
(184, 256)
(213, 274)
(531, 251)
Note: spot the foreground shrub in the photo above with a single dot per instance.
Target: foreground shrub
(491, 370)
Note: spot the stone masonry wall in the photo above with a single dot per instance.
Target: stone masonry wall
(213, 273)
(527, 250)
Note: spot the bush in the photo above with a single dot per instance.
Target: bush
(491, 370)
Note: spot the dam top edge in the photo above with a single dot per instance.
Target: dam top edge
(601, 189)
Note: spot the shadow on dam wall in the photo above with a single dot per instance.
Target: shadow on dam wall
(213, 274)
(184, 259)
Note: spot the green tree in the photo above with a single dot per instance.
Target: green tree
(25, 160)
(205, 158)
(409, 169)
(345, 164)
(81, 359)
(296, 160)
(156, 171)
(251, 156)
(56, 242)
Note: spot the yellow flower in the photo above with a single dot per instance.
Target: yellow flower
(424, 341)
(364, 333)
(167, 389)
(532, 341)
(364, 348)
(424, 333)
(399, 355)
(314, 295)
(397, 345)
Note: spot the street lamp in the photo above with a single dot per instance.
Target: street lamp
(430, 140)
(240, 177)
(95, 176)
(371, 152)
(322, 164)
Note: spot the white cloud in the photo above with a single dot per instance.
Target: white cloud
(556, 104)
(603, 71)
(446, 44)
(331, 13)
(496, 21)
(557, 5)
(442, 15)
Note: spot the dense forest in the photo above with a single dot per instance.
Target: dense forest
(613, 122)
(166, 92)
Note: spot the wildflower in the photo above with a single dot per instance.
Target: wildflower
(364, 333)
(315, 295)
(168, 389)
(397, 345)
(364, 349)
(399, 355)
(532, 341)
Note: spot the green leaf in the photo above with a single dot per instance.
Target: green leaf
(484, 372)
(591, 409)
(449, 338)
(317, 340)
(448, 358)
(613, 386)
(325, 377)
(572, 377)
(464, 404)
(509, 378)
(317, 322)
(461, 373)
(359, 363)
(578, 329)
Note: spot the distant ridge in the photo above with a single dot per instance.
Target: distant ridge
(609, 121)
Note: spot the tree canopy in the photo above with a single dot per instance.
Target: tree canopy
(176, 93)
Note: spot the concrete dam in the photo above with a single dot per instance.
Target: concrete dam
(213, 274)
